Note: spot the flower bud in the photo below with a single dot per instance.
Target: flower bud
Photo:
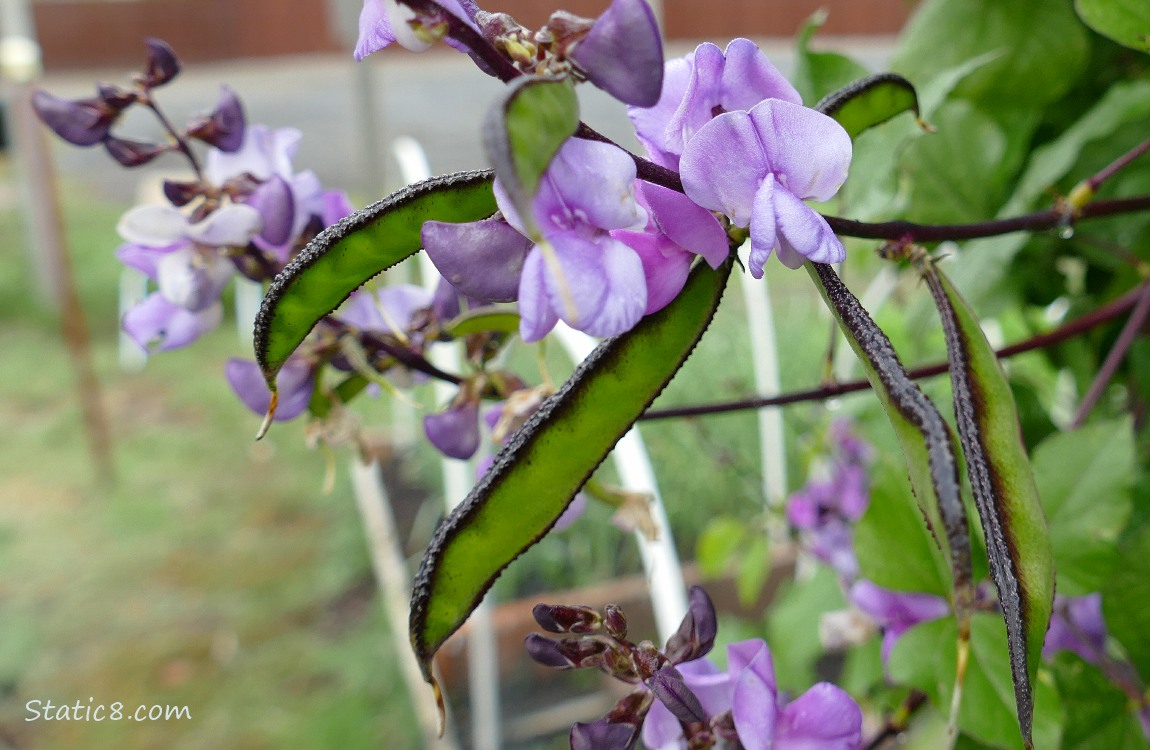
(616, 621)
(224, 127)
(561, 618)
(623, 53)
(454, 432)
(132, 153)
(544, 651)
(81, 122)
(116, 98)
(696, 634)
(603, 735)
(163, 65)
(668, 686)
(181, 193)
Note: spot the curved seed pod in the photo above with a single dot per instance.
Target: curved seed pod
(344, 256)
(870, 101)
(926, 439)
(545, 463)
(1002, 482)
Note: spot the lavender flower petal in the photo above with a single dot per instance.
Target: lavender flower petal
(481, 259)
(823, 718)
(295, 383)
(455, 431)
(755, 696)
(276, 205)
(623, 53)
(1077, 626)
(157, 324)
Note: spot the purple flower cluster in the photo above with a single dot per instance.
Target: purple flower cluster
(682, 699)
(609, 248)
(825, 511)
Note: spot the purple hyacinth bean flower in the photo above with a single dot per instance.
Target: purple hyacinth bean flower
(159, 325)
(386, 22)
(455, 431)
(163, 65)
(603, 735)
(225, 126)
(678, 229)
(623, 53)
(758, 167)
(482, 259)
(701, 85)
(580, 273)
(1077, 626)
(276, 204)
(294, 383)
(896, 611)
(823, 717)
(81, 122)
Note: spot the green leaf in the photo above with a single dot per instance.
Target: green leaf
(484, 320)
(1125, 21)
(1098, 715)
(351, 252)
(523, 132)
(817, 74)
(924, 657)
(791, 620)
(957, 172)
(985, 262)
(1044, 48)
(718, 545)
(1002, 483)
(1126, 598)
(754, 567)
(869, 102)
(1084, 479)
(545, 463)
(893, 522)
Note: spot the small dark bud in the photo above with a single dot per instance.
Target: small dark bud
(670, 688)
(563, 28)
(616, 621)
(603, 735)
(224, 127)
(132, 153)
(116, 98)
(647, 659)
(181, 193)
(81, 122)
(696, 634)
(544, 651)
(561, 618)
(163, 65)
(585, 651)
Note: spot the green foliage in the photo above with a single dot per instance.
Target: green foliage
(1126, 598)
(1084, 478)
(1125, 21)
(818, 74)
(924, 657)
(1098, 715)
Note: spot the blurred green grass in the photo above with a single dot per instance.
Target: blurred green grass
(214, 574)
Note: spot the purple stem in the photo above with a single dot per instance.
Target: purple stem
(1111, 169)
(1086, 322)
(1117, 353)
